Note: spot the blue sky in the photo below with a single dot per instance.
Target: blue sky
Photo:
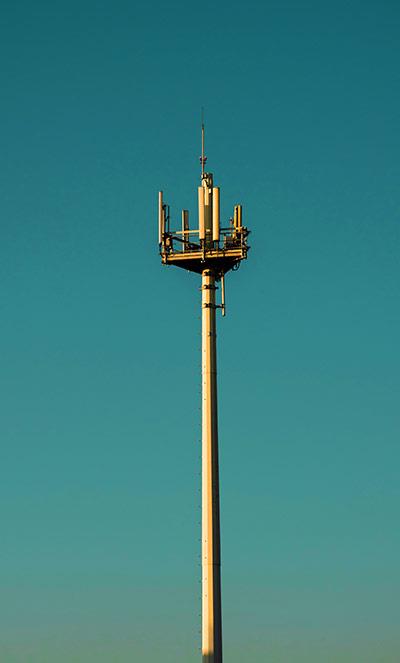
(100, 420)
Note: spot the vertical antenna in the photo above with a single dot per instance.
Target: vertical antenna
(203, 158)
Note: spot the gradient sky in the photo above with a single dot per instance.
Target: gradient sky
(100, 383)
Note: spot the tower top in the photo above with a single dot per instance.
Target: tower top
(209, 244)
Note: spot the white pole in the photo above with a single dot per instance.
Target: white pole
(211, 556)
(215, 223)
(161, 228)
(202, 228)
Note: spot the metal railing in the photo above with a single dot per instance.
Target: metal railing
(181, 241)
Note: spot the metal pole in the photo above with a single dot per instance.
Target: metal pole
(211, 556)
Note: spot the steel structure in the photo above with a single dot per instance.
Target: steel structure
(209, 250)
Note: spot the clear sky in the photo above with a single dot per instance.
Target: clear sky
(100, 345)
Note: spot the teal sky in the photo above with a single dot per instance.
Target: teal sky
(99, 381)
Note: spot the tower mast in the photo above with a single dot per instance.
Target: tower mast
(210, 535)
(209, 250)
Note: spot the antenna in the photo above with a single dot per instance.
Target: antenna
(203, 158)
(161, 218)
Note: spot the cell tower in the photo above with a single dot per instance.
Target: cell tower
(209, 250)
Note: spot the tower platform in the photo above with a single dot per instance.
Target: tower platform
(197, 258)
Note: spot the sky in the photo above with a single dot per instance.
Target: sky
(100, 344)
